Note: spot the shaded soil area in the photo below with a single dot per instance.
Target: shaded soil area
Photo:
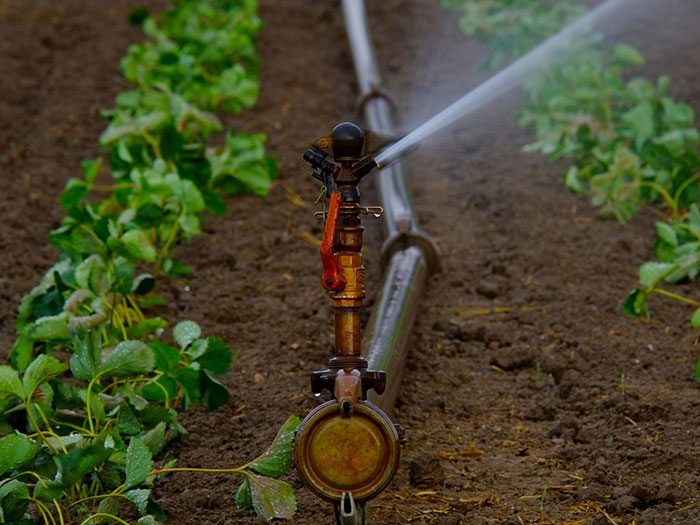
(512, 398)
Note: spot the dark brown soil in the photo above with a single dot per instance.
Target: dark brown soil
(498, 407)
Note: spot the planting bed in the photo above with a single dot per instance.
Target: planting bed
(497, 406)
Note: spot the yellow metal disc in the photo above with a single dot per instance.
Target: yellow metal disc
(336, 454)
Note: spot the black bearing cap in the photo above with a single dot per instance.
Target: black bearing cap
(347, 142)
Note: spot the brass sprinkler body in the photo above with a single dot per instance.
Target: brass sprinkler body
(346, 450)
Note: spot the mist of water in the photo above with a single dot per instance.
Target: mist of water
(501, 83)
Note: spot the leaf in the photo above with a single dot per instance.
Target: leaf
(108, 505)
(127, 359)
(628, 55)
(127, 421)
(636, 304)
(22, 353)
(154, 392)
(154, 439)
(697, 370)
(138, 245)
(277, 459)
(43, 368)
(188, 379)
(10, 383)
(86, 242)
(16, 450)
(185, 332)
(145, 327)
(79, 462)
(139, 497)
(91, 168)
(244, 498)
(138, 463)
(651, 273)
(85, 360)
(695, 319)
(175, 268)
(641, 120)
(14, 500)
(213, 392)
(216, 357)
(167, 357)
(49, 329)
(76, 190)
(143, 283)
(271, 497)
(572, 182)
(48, 490)
(667, 233)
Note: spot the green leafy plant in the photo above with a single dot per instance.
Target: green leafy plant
(88, 401)
(512, 27)
(631, 144)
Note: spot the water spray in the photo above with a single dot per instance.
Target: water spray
(498, 85)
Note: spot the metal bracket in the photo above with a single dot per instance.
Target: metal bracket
(347, 512)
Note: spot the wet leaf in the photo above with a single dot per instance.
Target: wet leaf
(127, 359)
(277, 459)
(43, 368)
(651, 273)
(138, 463)
(80, 461)
(244, 498)
(271, 497)
(14, 500)
(154, 439)
(10, 382)
(139, 497)
(138, 245)
(16, 450)
(185, 332)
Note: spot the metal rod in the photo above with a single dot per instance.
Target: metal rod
(407, 261)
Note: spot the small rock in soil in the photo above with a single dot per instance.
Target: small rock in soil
(513, 358)
(425, 471)
(488, 289)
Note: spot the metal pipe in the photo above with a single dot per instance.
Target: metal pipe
(408, 253)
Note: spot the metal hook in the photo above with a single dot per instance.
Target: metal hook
(347, 512)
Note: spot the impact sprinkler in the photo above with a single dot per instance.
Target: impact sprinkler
(346, 450)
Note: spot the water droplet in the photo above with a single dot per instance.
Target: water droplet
(187, 288)
(377, 214)
(317, 394)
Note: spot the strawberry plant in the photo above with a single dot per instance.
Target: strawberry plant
(512, 27)
(89, 398)
(631, 144)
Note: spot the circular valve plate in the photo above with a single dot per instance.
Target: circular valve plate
(357, 454)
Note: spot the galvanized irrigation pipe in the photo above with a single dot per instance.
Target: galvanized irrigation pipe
(408, 254)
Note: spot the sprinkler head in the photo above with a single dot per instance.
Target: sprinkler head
(347, 141)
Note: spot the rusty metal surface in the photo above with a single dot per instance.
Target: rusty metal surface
(336, 454)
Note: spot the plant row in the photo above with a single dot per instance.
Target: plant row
(631, 144)
(89, 398)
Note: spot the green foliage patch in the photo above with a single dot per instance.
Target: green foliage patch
(632, 145)
(87, 403)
